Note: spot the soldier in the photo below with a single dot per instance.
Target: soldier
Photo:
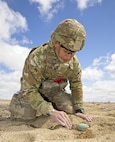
(47, 70)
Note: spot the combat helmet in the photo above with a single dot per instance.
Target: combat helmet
(70, 34)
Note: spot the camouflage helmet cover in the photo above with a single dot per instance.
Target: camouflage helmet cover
(71, 34)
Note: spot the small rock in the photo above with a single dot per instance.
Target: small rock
(82, 126)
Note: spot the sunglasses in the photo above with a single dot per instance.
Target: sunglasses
(70, 51)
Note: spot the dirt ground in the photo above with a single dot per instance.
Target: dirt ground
(43, 129)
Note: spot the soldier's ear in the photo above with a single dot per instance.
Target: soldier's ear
(56, 44)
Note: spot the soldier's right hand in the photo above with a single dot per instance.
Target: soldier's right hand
(62, 118)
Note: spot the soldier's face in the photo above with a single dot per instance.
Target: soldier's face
(63, 54)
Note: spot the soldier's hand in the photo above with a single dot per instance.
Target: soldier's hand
(84, 116)
(62, 118)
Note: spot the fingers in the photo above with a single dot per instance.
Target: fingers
(84, 116)
(89, 118)
(62, 118)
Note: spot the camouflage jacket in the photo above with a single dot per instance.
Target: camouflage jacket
(42, 63)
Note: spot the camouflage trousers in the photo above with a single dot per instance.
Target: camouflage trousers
(20, 109)
(51, 92)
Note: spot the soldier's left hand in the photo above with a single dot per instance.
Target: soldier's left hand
(84, 116)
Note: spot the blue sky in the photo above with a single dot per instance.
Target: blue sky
(25, 24)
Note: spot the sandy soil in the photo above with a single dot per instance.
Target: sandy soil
(43, 129)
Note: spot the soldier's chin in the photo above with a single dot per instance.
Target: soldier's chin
(64, 61)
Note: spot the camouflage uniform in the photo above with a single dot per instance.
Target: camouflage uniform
(45, 77)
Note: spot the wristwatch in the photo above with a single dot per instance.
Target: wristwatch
(81, 110)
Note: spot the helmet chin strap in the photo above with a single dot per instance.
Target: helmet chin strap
(61, 60)
(58, 55)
